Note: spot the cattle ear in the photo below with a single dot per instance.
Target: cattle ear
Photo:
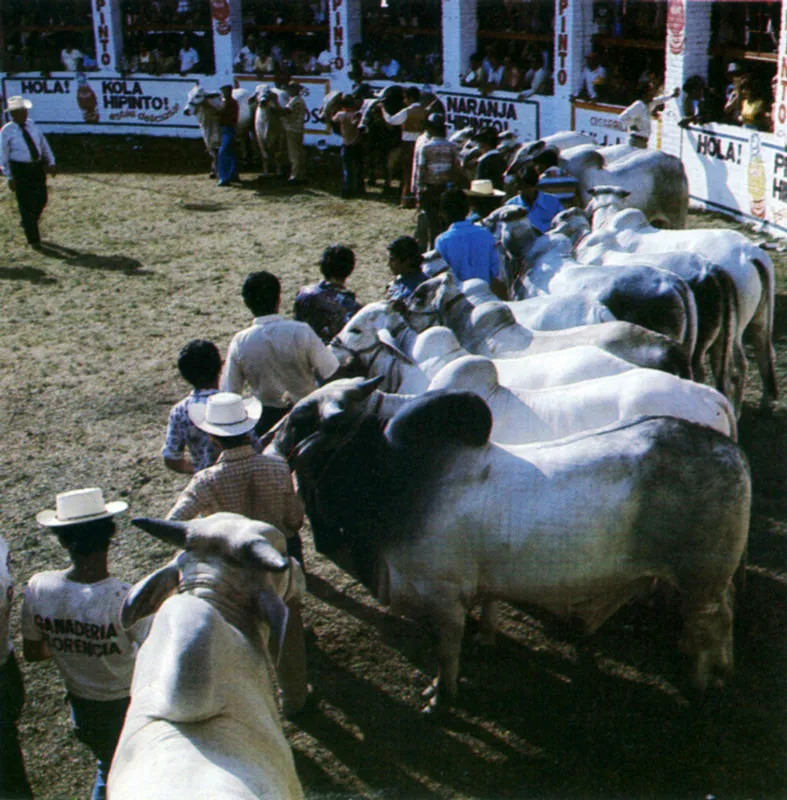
(385, 337)
(145, 597)
(272, 608)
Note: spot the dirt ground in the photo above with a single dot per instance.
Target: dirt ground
(150, 253)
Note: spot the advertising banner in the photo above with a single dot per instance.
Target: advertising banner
(599, 121)
(738, 169)
(463, 109)
(106, 105)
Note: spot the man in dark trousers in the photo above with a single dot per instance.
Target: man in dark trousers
(26, 159)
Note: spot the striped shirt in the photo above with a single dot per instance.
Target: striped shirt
(436, 163)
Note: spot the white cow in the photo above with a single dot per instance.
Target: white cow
(441, 520)
(490, 330)
(522, 416)
(268, 127)
(748, 266)
(204, 719)
(545, 313)
(204, 105)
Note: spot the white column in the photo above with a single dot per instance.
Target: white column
(227, 30)
(573, 31)
(688, 40)
(108, 34)
(344, 23)
(460, 26)
(780, 101)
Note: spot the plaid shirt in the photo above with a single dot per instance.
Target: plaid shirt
(436, 163)
(183, 433)
(248, 483)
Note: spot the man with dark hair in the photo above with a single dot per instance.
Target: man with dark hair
(227, 160)
(469, 249)
(73, 616)
(541, 206)
(280, 359)
(199, 362)
(412, 119)
(404, 261)
(436, 166)
(328, 305)
(491, 164)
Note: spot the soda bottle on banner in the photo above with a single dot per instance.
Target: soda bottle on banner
(86, 99)
(757, 183)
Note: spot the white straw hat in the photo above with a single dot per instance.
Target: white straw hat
(483, 188)
(82, 505)
(17, 103)
(226, 414)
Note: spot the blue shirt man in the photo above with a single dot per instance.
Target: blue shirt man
(541, 206)
(470, 250)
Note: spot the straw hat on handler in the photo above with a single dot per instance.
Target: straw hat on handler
(77, 507)
(17, 103)
(226, 414)
(483, 188)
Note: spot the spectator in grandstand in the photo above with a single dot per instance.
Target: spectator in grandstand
(389, 67)
(71, 58)
(328, 305)
(264, 63)
(145, 60)
(732, 94)
(594, 79)
(167, 57)
(188, 57)
(513, 74)
(494, 69)
(325, 60)
(753, 106)
(475, 76)
(247, 55)
(537, 75)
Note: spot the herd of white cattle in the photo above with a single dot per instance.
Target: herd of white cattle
(560, 450)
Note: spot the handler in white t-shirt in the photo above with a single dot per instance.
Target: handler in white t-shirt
(13, 780)
(73, 616)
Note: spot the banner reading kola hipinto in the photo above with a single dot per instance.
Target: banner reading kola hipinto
(104, 103)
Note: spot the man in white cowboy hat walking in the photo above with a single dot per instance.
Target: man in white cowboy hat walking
(259, 487)
(73, 616)
(26, 159)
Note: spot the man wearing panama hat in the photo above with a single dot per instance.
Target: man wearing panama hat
(26, 159)
(73, 616)
(483, 199)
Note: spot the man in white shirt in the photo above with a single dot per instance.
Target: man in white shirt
(13, 780)
(389, 67)
(73, 617)
(247, 56)
(280, 359)
(26, 159)
(594, 78)
(637, 116)
(187, 56)
(71, 58)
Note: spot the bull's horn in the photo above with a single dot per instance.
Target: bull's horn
(172, 532)
(367, 387)
(265, 555)
(386, 338)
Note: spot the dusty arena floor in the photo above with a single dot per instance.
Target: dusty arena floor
(147, 254)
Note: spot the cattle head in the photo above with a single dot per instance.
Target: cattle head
(265, 95)
(523, 157)
(330, 105)
(374, 326)
(515, 235)
(605, 202)
(431, 300)
(324, 421)
(571, 223)
(433, 264)
(228, 560)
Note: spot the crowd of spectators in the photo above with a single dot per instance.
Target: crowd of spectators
(513, 69)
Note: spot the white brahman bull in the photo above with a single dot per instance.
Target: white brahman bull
(522, 416)
(748, 266)
(656, 181)
(204, 719)
(718, 329)
(436, 519)
(205, 105)
(268, 127)
(545, 312)
(490, 330)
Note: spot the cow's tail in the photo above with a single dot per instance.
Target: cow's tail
(729, 329)
(765, 357)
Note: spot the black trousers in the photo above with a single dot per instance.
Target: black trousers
(31, 196)
(13, 780)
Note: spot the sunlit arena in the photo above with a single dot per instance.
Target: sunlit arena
(394, 399)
